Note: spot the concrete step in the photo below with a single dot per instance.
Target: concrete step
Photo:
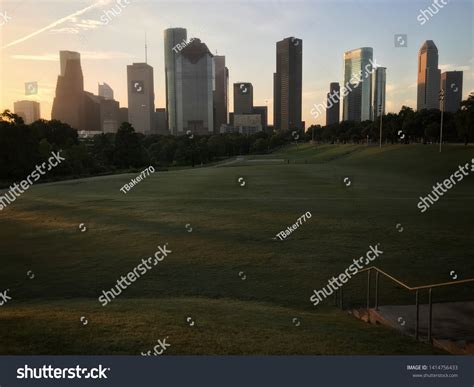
(450, 332)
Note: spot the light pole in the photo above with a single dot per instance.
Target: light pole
(441, 100)
(380, 113)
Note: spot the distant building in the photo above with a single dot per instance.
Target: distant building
(141, 97)
(244, 124)
(451, 83)
(80, 109)
(172, 37)
(68, 104)
(221, 92)
(92, 115)
(357, 103)
(160, 122)
(109, 115)
(28, 110)
(428, 77)
(263, 111)
(287, 84)
(379, 78)
(106, 91)
(194, 91)
(123, 115)
(243, 98)
(333, 103)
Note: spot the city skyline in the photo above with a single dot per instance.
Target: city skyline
(27, 61)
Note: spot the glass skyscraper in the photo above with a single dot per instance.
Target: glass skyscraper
(428, 77)
(358, 79)
(172, 37)
(379, 84)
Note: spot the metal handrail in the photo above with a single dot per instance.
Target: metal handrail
(415, 287)
(409, 288)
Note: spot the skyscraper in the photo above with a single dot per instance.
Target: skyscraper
(109, 115)
(287, 84)
(428, 77)
(379, 85)
(451, 83)
(333, 102)
(68, 104)
(243, 98)
(141, 97)
(221, 92)
(194, 89)
(263, 111)
(106, 91)
(172, 37)
(358, 80)
(28, 110)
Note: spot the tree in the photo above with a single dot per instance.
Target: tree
(129, 152)
(465, 120)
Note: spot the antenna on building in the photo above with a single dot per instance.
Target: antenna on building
(146, 51)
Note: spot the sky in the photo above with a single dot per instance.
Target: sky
(32, 32)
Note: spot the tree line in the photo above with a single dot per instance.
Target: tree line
(408, 126)
(22, 146)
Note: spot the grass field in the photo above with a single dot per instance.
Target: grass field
(232, 231)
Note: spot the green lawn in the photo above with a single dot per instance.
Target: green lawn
(232, 231)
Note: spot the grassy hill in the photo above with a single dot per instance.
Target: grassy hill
(232, 231)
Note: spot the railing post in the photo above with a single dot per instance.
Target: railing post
(417, 327)
(376, 290)
(368, 290)
(430, 326)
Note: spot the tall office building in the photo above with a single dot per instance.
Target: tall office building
(68, 104)
(379, 85)
(160, 122)
(172, 37)
(109, 115)
(106, 91)
(28, 110)
(428, 77)
(263, 112)
(194, 89)
(141, 97)
(123, 115)
(92, 112)
(287, 84)
(451, 83)
(333, 104)
(358, 78)
(243, 98)
(221, 92)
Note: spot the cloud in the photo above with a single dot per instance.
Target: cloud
(87, 55)
(58, 22)
(65, 30)
(453, 67)
(75, 27)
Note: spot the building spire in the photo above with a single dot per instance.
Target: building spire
(146, 50)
